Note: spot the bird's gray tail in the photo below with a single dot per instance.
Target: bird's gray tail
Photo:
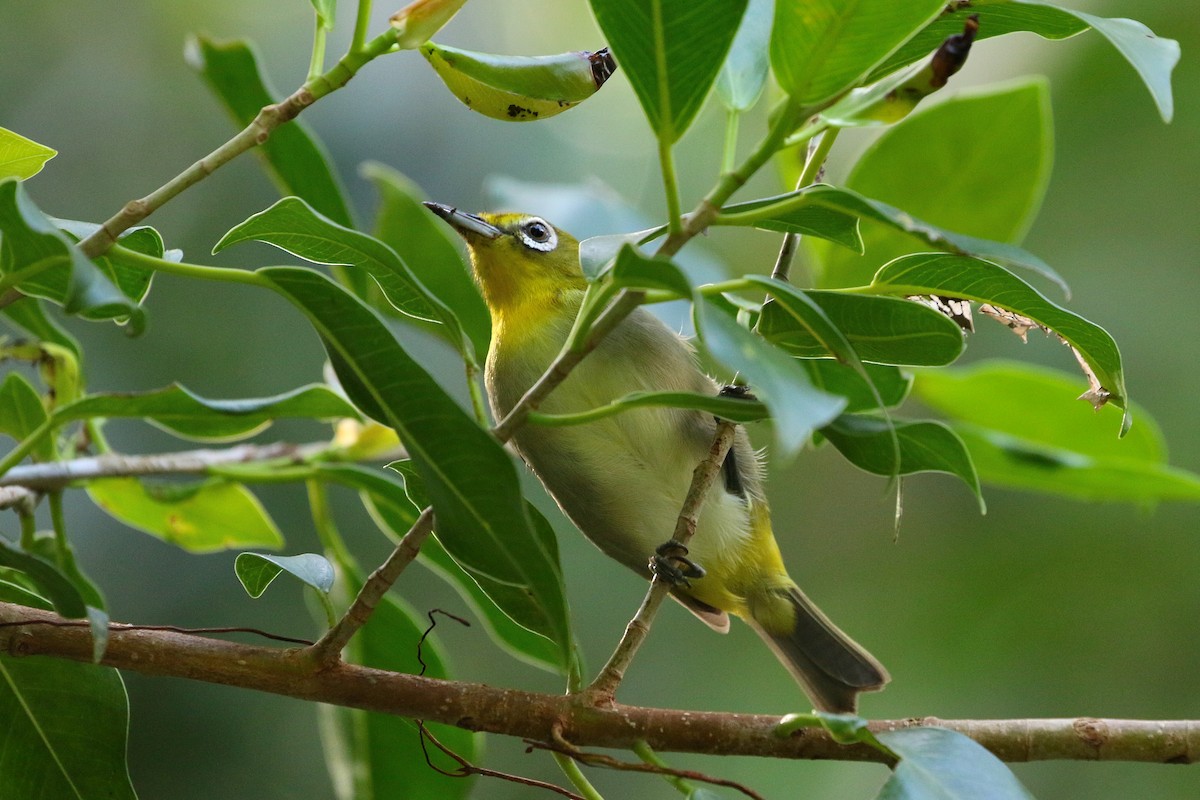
(831, 666)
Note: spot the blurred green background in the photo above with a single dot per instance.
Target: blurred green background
(1045, 607)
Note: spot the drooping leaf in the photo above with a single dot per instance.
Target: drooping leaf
(294, 158)
(894, 331)
(295, 227)
(132, 279)
(820, 48)
(200, 517)
(744, 75)
(672, 51)
(775, 212)
(984, 282)
(256, 571)
(1153, 58)
(1025, 429)
(182, 412)
(869, 443)
(39, 260)
(976, 165)
(483, 523)
(425, 244)
(797, 407)
(21, 413)
(43, 701)
(943, 764)
(22, 158)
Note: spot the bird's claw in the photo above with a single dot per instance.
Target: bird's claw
(670, 562)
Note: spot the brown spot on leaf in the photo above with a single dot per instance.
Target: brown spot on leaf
(603, 66)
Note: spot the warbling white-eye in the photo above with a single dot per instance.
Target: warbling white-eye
(622, 479)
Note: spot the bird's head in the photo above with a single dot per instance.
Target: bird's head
(523, 264)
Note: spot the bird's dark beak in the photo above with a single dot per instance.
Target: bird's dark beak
(467, 225)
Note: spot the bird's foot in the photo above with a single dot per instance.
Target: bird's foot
(670, 562)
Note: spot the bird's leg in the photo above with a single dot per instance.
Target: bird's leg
(670, 562)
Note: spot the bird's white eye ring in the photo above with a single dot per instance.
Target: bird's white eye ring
(537, 234)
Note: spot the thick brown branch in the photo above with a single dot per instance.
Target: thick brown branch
(534, 716)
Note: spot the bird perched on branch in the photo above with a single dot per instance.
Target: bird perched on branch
(622, 479)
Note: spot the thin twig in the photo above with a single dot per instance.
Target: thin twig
(329, 649)
(531, 715)
(118, 626)
(608, 762)
(603, 688)
(466, 768)
(61, 474)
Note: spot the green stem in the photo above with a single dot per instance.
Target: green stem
(327, 531)
(666, 158)
(26, 445)
(729, 155)
(816, 159)
(647, 755)
(477, 402)
(317, 63)
(58, 522)
(576, 777)
(15, 278)
(191, 270)
(361, 22)
(28, 527)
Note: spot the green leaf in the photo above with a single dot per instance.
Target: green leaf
(797, 407)
(977, 164)
(186, 414)
(672, 51)
(21, 413)
(984, 282)
(377, 755)
(483, 523)
(295, 227)
(37, 258)
(1026, 430)
(257, 570)
(869, 443)
(730, 408)
(742, 79)
(427, 246)
(22, 158)
(890, 383)
(1152, 57)
(820, 48)
(894, 331)
(942, 764)
(771, 213)
(294, 157)
(199, 517)
(132, 279)
(810, 219)
(28, 314)
(45, 753)
(47, 577)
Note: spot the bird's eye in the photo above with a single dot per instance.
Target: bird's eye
(538, 235)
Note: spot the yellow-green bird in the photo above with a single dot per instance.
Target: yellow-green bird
(622, 479)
